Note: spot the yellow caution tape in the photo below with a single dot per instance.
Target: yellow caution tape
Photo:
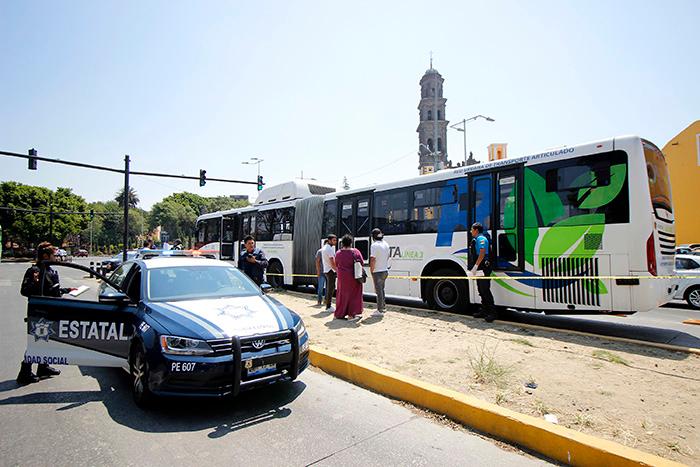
(507, 278)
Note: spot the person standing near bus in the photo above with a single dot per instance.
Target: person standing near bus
(252, 261)
(479, 259)
(320, 276)
(379, 267)
(330, 270)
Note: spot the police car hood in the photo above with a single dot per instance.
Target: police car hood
(223, 317)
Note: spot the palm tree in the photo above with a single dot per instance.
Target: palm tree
(133, 197)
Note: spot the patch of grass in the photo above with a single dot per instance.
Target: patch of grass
(501, 398)
(674, 446)
(581, 419)
(487, 370)
(609, 357)
(540, 408)
(522, 341)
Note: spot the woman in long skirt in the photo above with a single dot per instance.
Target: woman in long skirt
(348, 301)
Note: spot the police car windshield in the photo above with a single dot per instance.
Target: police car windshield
(194, 282)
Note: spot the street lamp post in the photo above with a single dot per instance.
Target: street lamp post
(464, 133)
(254, 161)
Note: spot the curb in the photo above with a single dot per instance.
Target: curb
(627, 340)
(553, 441)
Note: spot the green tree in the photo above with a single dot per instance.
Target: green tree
(133, 197)
(223, 203)
(34, 225)
(175, 218)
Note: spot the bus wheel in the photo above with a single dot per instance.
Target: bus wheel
(692, 296)
(447, 294)
(273, 279)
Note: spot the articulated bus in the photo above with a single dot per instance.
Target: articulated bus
(282, 220)
(578, 230)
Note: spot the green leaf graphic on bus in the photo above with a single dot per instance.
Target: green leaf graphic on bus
(566, 237)
(541, 208)
(591, 198)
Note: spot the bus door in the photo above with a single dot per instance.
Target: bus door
(355, 217)
(229, 236)
(496, 203)
(480, 210)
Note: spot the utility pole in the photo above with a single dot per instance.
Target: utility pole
(126, 205)
(51, 219)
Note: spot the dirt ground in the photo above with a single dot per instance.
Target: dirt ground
(639, 396)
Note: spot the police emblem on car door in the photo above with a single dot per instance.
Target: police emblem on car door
(68, 331)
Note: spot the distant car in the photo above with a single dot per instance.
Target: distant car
(80, 253)
(689, 249)
(688, 288)
(180, 326)
(61, 254)
(111, 264)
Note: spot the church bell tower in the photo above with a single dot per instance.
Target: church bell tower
(432, 129)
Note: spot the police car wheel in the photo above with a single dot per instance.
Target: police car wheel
(140, 377)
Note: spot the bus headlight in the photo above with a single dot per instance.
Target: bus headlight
(184, 346)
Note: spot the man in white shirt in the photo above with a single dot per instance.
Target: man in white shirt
(379, 267)
(329, 270)
(166, 246)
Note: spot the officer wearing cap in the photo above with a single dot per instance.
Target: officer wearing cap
(479, 261)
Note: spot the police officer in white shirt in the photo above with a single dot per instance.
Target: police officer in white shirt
(379, 267)
(330, 270)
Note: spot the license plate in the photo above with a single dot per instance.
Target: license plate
(258, 370)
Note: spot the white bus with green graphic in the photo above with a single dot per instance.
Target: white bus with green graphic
(581, 229)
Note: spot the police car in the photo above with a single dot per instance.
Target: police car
(180, 326)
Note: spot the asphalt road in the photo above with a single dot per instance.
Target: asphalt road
(86, 416)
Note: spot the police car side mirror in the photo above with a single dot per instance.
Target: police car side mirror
(110, 296)
(266, 288)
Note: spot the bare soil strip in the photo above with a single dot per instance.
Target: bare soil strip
(640, 396)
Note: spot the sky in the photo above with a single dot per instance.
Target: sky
(326, 90)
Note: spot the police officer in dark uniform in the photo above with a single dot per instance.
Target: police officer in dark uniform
(252, 261)
(34, 284)
(479, 260)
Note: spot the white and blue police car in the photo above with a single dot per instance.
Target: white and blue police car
(181, 326)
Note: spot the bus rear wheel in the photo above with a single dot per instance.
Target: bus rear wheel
(447, 294)
(275, 280)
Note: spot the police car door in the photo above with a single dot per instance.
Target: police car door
(69, 331)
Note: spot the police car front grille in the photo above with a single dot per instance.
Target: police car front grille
(221, 346)
(275, 341)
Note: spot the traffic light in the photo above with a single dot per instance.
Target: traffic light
(202, 177)
(92, 214)
(32, 159)
(260, 183)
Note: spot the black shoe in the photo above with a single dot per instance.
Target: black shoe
(26, 378)
(45, 371)
(490, 317)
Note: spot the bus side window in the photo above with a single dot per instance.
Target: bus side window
(330, 216)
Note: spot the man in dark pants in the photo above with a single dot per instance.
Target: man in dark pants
(48, 286)
(252, 261)
(479, 258)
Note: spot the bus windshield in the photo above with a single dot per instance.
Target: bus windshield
(659, 181)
